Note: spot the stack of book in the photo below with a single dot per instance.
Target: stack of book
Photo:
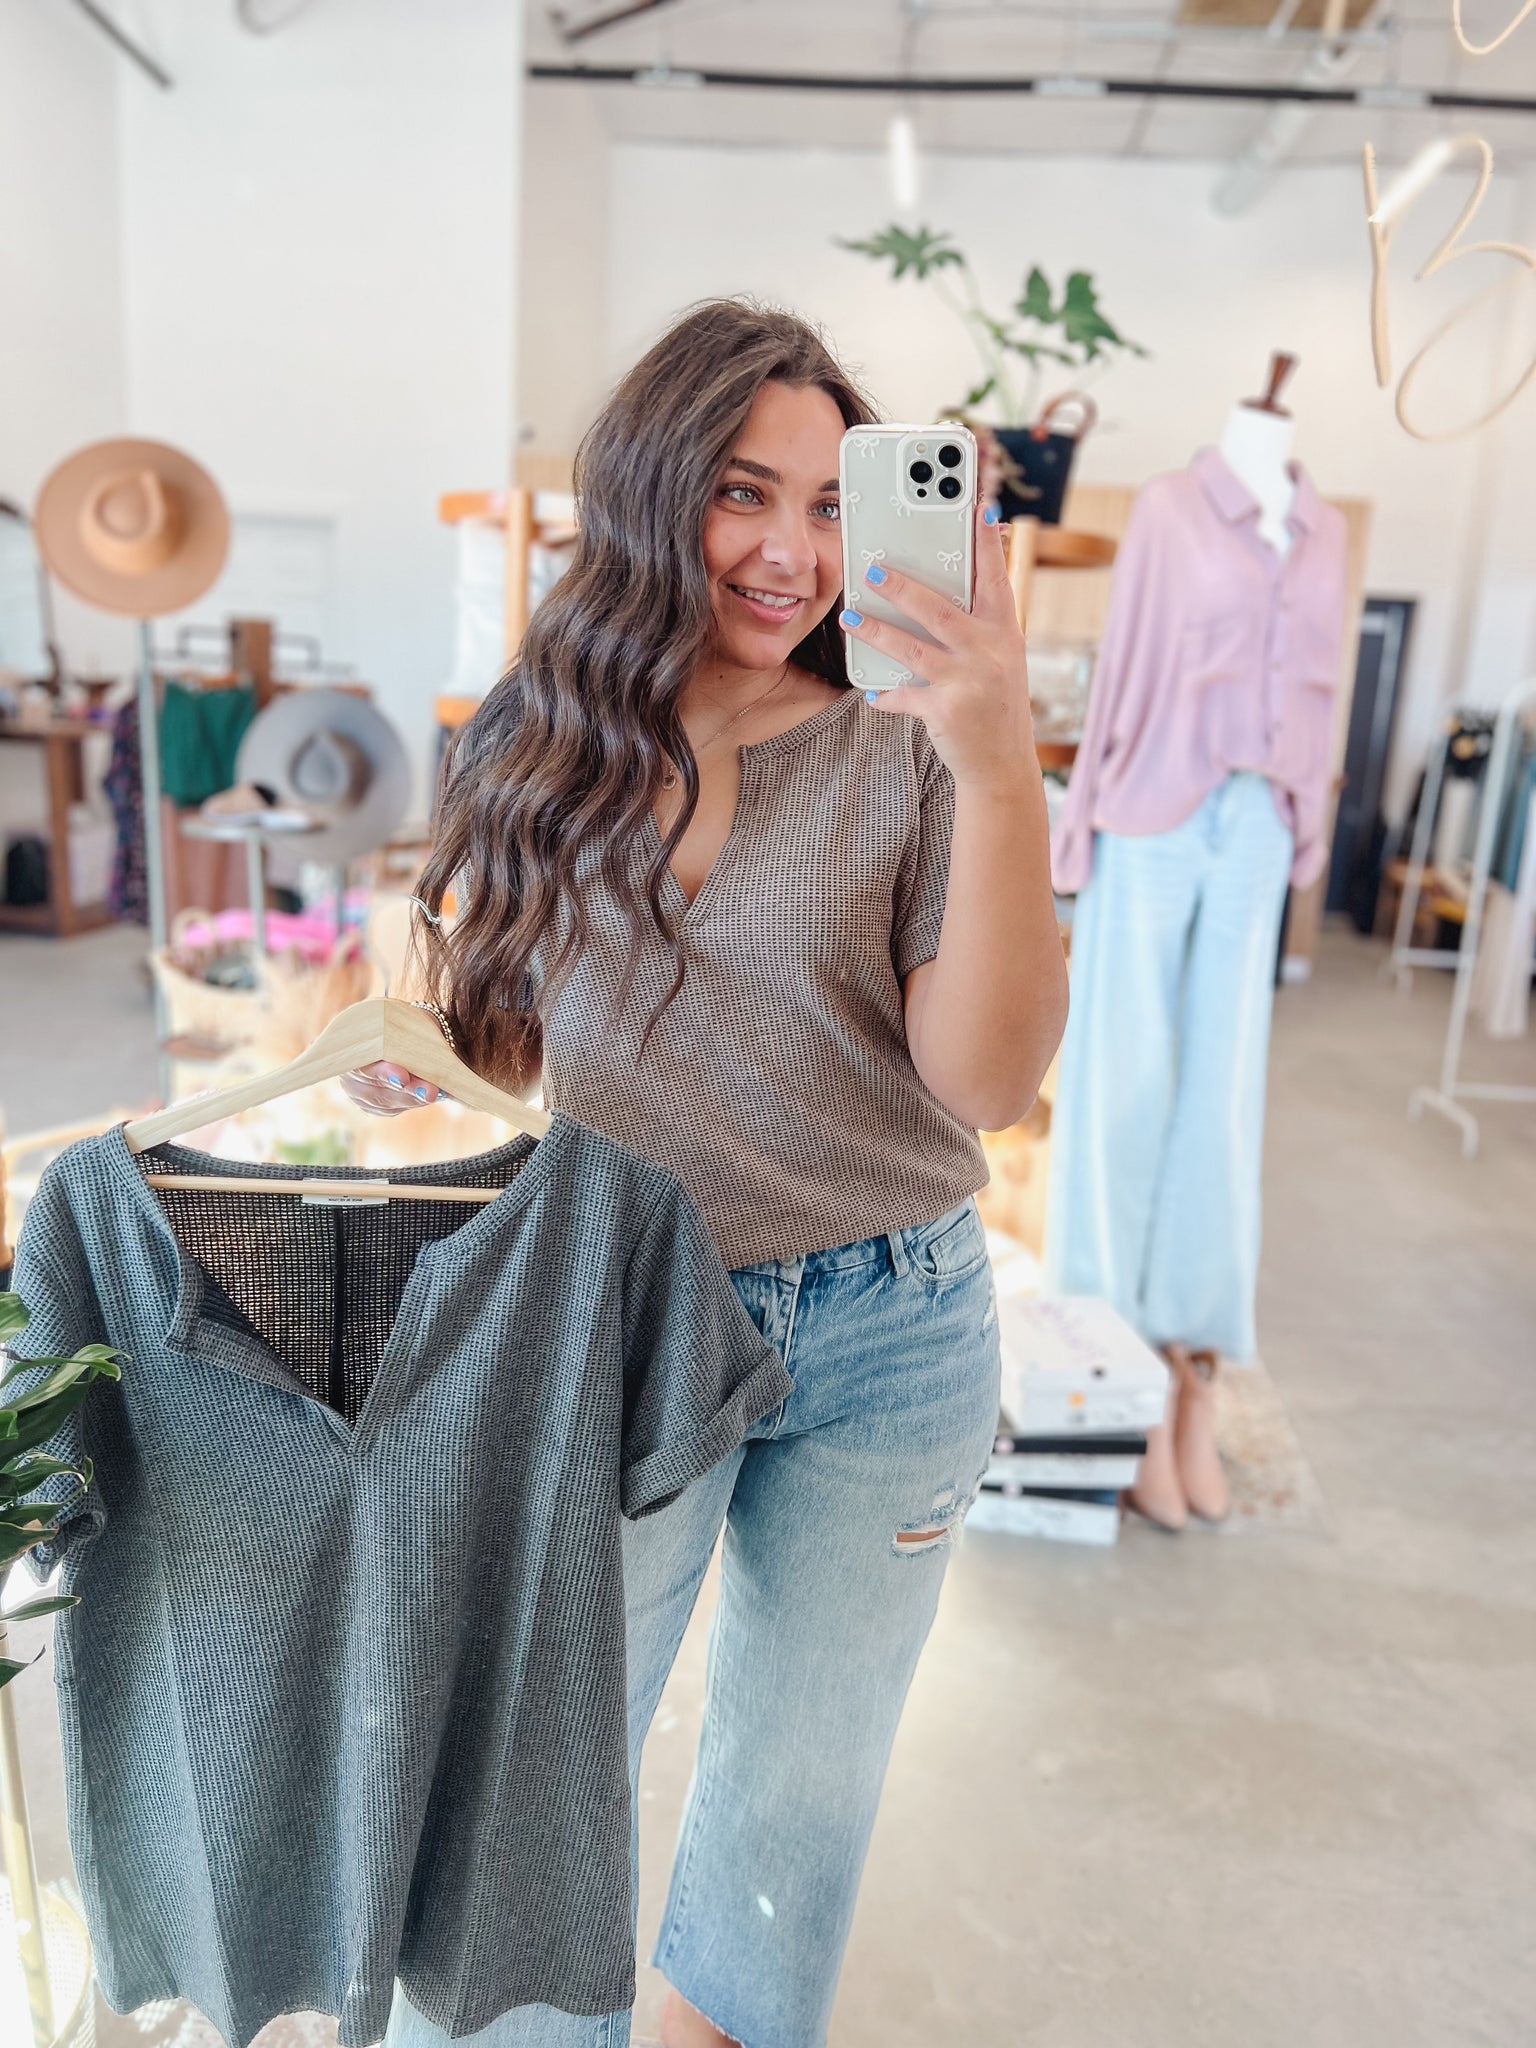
(1080, 1392)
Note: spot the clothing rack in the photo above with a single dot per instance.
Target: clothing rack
(250, 659)
(1405, 956)
(1447, 1098)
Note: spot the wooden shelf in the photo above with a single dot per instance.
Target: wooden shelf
(63, 742)
(1058, 547)
(1032, 547)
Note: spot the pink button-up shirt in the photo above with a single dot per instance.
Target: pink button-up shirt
(1220, 654)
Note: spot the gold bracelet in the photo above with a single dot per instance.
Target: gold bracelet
(442, 1022)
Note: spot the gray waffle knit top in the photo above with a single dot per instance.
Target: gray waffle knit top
(345, 1697)
(778, 1086)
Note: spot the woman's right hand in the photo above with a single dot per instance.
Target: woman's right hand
(385, 1089)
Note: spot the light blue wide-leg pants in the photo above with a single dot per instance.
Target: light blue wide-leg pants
(1157, 1132)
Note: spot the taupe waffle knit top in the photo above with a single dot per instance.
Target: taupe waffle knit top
(777, 1086)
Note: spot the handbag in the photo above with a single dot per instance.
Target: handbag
(1038, 459)
(26, 872)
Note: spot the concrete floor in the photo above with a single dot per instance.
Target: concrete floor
(1211, 1790)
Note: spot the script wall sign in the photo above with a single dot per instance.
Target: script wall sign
(1383, 214)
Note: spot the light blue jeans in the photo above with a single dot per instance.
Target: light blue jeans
(1158, 1128)
(840, 1512)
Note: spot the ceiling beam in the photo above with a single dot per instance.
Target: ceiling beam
(1398, 99)
(606, 17)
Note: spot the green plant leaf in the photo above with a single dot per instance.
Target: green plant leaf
(14, 1316)
(35, 1609)
(93, 1361)
(1040, 352)
(18, 1513)
(22, 1516)
(918, 250)
(977, 396)
(23, 1473)
(1082, 322)
(10, 1669)
(14, 1546)
(1036, 302)
(37, 1425)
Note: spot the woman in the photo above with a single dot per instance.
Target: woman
(794, 946)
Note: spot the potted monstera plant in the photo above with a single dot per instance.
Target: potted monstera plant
(42, 1924)
(1043, 334)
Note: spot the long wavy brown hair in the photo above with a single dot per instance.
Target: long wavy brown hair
(562, 764)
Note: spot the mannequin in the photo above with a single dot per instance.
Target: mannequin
(1199, 790)
(1182, 1469)
(1256, 446)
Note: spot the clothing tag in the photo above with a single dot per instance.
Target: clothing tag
(340, 1194)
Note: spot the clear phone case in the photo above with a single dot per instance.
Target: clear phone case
(894, 515)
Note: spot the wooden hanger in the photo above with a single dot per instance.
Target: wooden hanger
(383, 1028)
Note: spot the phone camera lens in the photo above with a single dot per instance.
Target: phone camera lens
(920, 472)
(951, 456)
(949, 487)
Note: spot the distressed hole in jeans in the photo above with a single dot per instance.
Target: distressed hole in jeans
(935, 1530)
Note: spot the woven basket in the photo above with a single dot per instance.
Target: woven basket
(249, 1030)
(193, 1008)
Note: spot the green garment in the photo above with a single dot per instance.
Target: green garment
(200, 735)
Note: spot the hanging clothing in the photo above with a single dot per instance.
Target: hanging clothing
(1157, 1129)
(123, 787)
(200, 735)
(1219, 656)
(822, 1615)
(777, 1084)
(344, 1701)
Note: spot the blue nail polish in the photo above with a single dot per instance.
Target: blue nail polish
(991, 515)
(421, 1094)
(870, 696)
(874, 573)
(393, 1081)
(852, 618)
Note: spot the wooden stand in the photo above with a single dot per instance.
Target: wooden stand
(63, 741)
(512, 510)
(1032, 547)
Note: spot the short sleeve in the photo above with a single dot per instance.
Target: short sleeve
(53, 1281)
(697, 1374)
(924, 880)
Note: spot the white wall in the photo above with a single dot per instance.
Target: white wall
(1209, 296)
(61, 318)
(61, 324)
(320, 231)
(562, 351)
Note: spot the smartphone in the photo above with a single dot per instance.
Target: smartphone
(909, 503)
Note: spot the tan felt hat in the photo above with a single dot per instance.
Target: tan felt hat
(133, 527)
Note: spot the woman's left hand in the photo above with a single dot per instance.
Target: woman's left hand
(976, 704)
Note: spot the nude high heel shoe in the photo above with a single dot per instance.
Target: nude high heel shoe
(1158, 1493)
(1199, 1462)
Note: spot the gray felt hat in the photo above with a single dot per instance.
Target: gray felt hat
(330, 753)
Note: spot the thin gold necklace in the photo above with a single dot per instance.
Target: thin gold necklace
(669, 780)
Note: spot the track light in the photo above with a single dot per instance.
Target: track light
(901, 148)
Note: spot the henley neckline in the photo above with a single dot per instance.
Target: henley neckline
(190, 1330)
(748, 754)
(794, 735)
